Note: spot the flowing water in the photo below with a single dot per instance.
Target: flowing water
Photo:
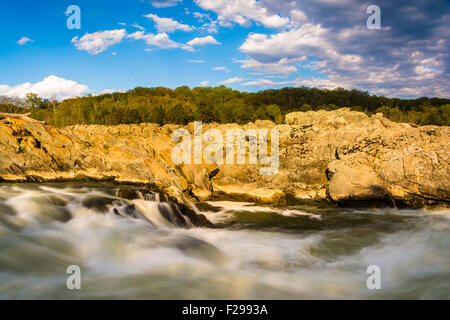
(144, 249)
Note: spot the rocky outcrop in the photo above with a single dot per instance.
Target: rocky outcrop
(346, 156)
(338, 156)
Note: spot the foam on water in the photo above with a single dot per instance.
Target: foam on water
(228, 207)
(133, 257)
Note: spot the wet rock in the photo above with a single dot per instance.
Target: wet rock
(127, 193)
(203, 206)
(7, 210)
(199, 249)
(60, 214)
(172, 214)
(127, 211)
(53, 199)
(99, 204)
(197, 219)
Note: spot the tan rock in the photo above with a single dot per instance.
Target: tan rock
(355, 183)
(325, 155)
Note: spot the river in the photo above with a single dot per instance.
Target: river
(255, 252)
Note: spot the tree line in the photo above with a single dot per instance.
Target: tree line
(221, 104)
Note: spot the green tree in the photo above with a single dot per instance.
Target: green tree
(32, 100)
(274, 113)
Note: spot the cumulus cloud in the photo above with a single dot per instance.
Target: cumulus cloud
(232, 80)
(99, 41)
(204, 83)
(308, 40)
(280, 51)
(242, 12)
(278, 67)
(167, 24)
(202, 41)
(49, 88)
(298, 17)
(160, 40)
(24, 40)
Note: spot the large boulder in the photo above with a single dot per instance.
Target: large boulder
(357, 182)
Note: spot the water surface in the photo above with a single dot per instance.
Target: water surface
(257, 252)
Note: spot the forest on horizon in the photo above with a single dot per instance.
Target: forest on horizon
(221, 104)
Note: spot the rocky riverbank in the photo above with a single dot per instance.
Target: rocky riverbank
(337, 156)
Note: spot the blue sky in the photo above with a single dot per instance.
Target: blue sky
(246, 44)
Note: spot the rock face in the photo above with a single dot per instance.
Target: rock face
(337, 156)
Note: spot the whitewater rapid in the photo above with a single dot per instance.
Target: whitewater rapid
(255, 252)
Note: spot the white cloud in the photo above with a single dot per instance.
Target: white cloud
(267, 82)
(196, 61)
(426, 72)
(232, 80)
(99, 41)
(201, 16)
(298, 16)
(204, 83)
(283, 49)
(167, 24)
(165, 3)
(106, 91)
(279, 67)
(50, 87)
(187, 48)
(138, 26)
(242, 12)
(221, 69)
(307, 40)
(160, 40)
(319, 83)
(210, 27)
(24, 40)
(202, 41)
(298, 82)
